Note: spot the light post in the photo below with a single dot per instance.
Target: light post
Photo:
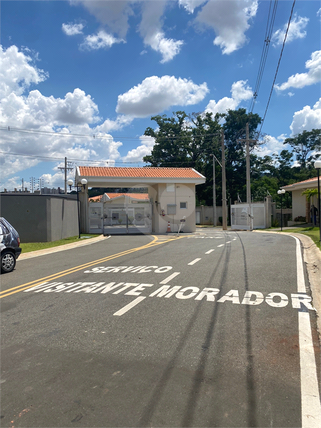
(317, 165)
(281, 192)
(83, 183)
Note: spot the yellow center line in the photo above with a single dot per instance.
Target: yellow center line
(31, 284)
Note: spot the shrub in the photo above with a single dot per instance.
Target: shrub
(300, 218)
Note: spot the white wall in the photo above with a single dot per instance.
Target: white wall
(298, 204)
(174, 194)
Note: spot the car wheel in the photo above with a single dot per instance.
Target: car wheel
(8, 262)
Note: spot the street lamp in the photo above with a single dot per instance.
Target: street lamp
(317, 165)
(83, 183)
(281, 192)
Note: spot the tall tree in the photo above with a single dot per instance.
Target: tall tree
(187, 141)
(172, 139)
(235, 134)
(306, 145)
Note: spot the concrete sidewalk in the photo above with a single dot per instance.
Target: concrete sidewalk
(80, 243)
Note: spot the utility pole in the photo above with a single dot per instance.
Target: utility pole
(224, 212)
(214, 192)
(214, 188)
(65, 169)
(248, 179)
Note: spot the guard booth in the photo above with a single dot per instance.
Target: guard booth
(170, 198)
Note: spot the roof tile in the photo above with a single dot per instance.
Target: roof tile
(145, 172)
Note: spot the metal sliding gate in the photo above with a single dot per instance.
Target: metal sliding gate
(242, 218)
(111, 219)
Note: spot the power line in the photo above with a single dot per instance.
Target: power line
(60, 159)
(265, 50)
(62, 134)
(277, 68)
(97, 136)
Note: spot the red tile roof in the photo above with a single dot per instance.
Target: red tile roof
(95, 198)
(310, 180)
(141, 196)
(146, 172)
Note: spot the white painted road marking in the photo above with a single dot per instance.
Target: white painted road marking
(193, 262)
(221, 245)
(166, 280)
(277, 300)
(129, 269)
(129, 306)
(310, 398)
(209, 252)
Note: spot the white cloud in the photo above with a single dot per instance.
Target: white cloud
(144, 149)
(156, 94)
(10, 164)
(191, 5)
(115, 125)
(229, 20)
(101, 40)
(150, 30)
(35, 110)
(296, 31)
(169, 48)
(18, 71)
(72, 29)
(300, 80)
(240, 92)
(307, 119)
(319, 13)
(270, 146)
(112, 14)
(115, 15)
(64, 125)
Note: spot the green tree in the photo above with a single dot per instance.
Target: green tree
(305, 146)
(187, 141)
(172, 139)
(235, 134)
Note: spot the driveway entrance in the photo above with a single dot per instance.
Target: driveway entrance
(112, 219)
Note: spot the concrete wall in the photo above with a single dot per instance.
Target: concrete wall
(63, 218)
(206, 214)
(40, 218)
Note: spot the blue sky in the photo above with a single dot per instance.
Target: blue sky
(82, 68)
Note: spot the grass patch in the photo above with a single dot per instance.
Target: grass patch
(312, 232)
(34, 246)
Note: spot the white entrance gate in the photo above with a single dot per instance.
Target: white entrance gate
(96, 217)
(241, 216)
(108, 218)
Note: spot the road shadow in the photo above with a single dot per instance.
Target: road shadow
(160, 387)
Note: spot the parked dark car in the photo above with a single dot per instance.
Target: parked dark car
(9, 245)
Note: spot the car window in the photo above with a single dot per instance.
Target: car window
(3, 229)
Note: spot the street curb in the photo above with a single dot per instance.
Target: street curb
(83, 242)
(312, 259)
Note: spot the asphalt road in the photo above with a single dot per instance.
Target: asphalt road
(213, 330)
